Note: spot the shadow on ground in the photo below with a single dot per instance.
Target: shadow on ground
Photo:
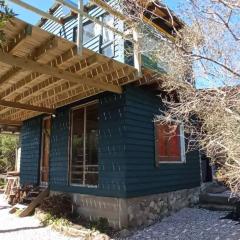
(19, 229)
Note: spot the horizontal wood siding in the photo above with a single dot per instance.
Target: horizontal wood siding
(31, 151)
(111, 148)
(126, 149)
(111, 144)
(59, 148)
(142, 175)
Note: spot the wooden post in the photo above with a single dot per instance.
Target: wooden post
(80, 28)
(137, 52)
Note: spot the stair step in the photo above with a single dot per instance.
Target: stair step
(218, 199)
(217, 207)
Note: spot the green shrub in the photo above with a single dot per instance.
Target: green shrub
(101, 225)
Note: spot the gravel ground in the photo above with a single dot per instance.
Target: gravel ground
(187, 224)
(192, 224)
(28, 228)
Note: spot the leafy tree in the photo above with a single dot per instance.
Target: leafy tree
(8, 145)
(5, 15)
(206, 49)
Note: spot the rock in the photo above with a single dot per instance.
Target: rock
(101, 237)
(124, 233)
(152, 204)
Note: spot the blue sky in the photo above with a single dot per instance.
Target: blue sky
(29, 16)
(44, 5)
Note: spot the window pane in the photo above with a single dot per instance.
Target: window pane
(77, 146)
(108, 51)
(90, 30)
(108, 34)
(91, 165)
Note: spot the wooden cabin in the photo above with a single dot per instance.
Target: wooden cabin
(87, 122)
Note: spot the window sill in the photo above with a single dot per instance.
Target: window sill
(83, 186)
(174, 162)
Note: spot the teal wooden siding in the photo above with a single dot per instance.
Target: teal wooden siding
(111, 148)
(58, 175)
(142, 175)
(30, 153)
(126, 149)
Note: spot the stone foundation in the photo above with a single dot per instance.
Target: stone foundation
(133, 212)
(148, 209)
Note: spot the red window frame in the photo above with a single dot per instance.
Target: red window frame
(168, 143)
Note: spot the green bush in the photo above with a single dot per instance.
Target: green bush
(101, 225)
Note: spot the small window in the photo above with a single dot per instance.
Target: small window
(169, 143)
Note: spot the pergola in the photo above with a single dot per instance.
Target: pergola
(40, 72)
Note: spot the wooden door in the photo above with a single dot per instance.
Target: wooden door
(46, 132)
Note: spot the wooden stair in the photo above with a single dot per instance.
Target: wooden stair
(30, 201)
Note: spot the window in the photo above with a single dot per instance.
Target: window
(108, 35)
(108, 50)
(93, 31)
(169, 143)
(84, 146)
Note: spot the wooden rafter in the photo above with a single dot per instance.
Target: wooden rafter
(50, 84)
(35, 54)
(26, 107)
(10, 122)
(68, 94)
(55, 72)
(20, 36)
(59, 61)
(112, 11)
(58, 76)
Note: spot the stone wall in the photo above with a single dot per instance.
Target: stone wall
(134, 212)
(148, 209)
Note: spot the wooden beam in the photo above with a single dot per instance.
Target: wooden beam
(80, 29)
(20, 36)
(12, 44)
(34, 77)
(26, 107)
(49, 44)
(137, 53)
(10, 122)
(35, 54)
(55, 72)
(51, 82)
(94, 19)
(154, 25)
(36, 10)
(92, 64)
(112, 11)
(65, 94)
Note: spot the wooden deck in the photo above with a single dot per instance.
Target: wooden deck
(40, 72)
